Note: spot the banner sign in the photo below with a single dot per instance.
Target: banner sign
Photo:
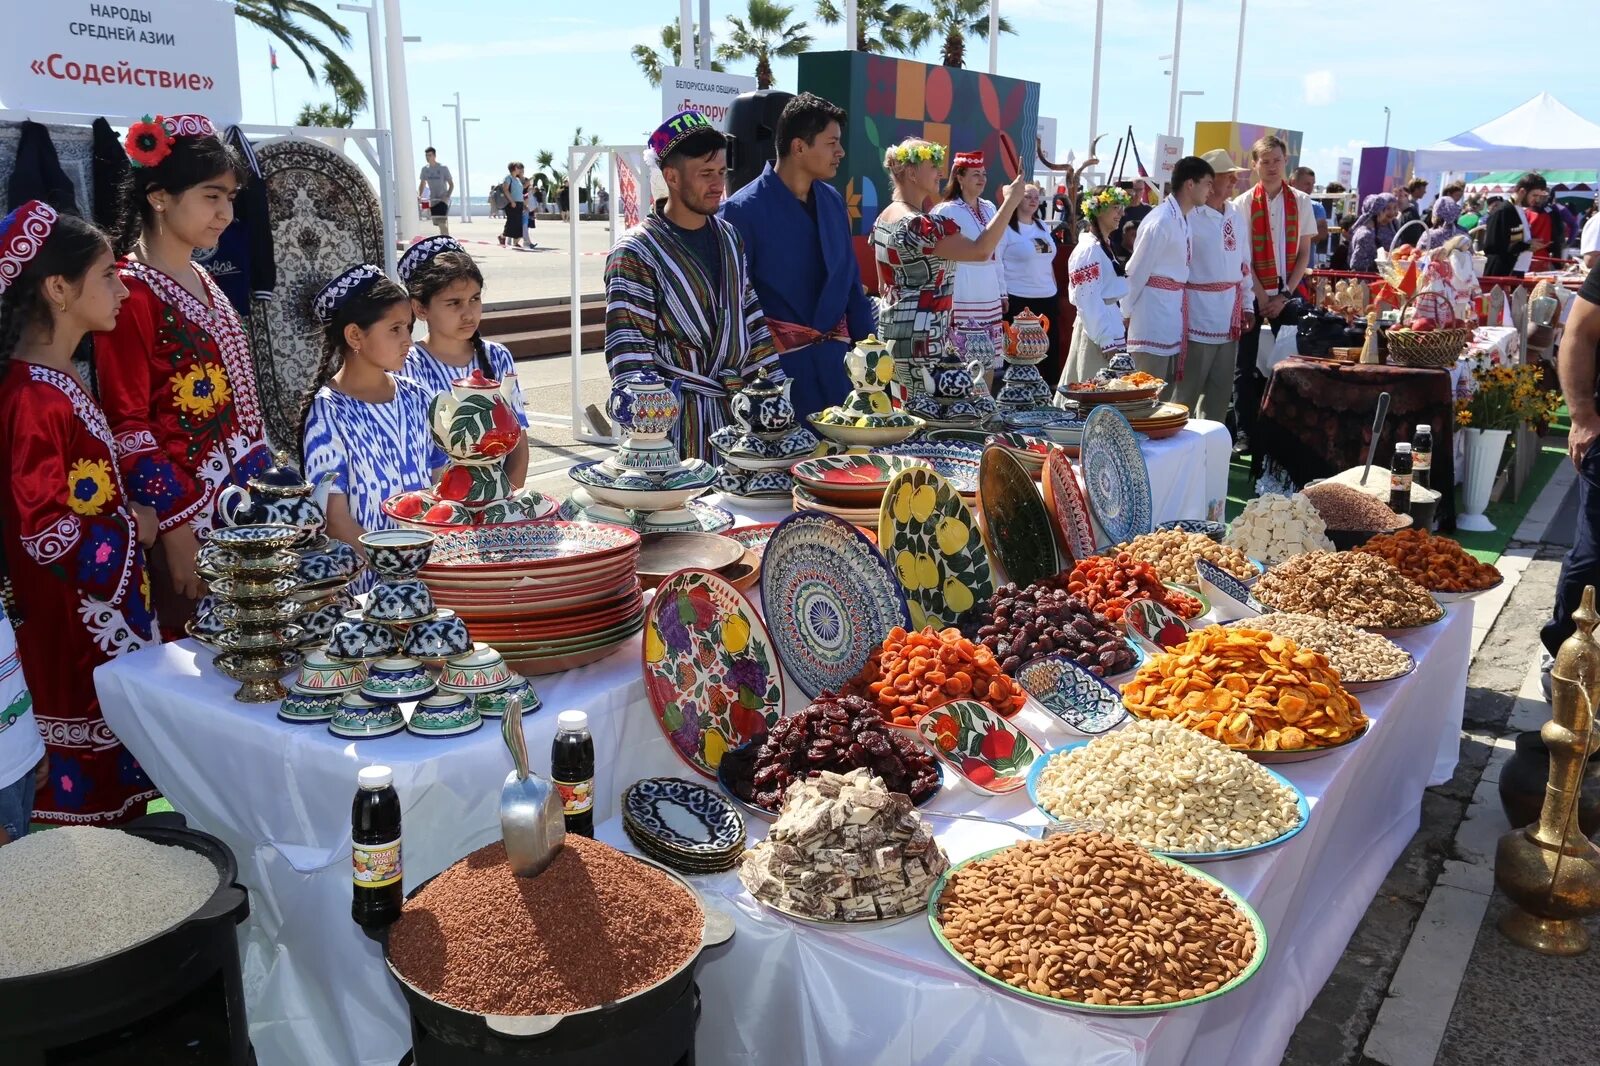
(706, 91)
(1168, 151)
(84, 57)
(1346, 170)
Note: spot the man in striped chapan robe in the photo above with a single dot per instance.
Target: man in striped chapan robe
(678, 294)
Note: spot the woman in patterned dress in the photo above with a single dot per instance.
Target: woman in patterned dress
(71, 535)
(979, 300)
(446, 290)
(362, 422)
(175, 374)
(914, 251)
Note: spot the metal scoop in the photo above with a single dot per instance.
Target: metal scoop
(531, 821)
(1037, 832)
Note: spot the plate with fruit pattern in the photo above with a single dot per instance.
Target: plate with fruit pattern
(930, 537)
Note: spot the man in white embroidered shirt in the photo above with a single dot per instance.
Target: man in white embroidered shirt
(1156, 306)
(1220, 294)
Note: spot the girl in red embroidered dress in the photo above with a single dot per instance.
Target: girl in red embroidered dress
(175, 374)
(71, 536)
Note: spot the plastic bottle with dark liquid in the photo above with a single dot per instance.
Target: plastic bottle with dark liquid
(1400, 479)
(375, 850)
(572, 771)
(1422, 456)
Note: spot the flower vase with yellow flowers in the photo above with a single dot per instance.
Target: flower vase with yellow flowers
(1494, 401)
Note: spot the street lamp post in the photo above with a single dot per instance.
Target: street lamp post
(1094, 79)
(994, 36)
(1177, 54)
(461, 161)
(1238, 62)
(1386, 117)
(428, 122)
(393, 222)
(404, 161)
(1181, 95)
(466, 161)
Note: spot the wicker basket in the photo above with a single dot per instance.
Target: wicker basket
(1438, 348)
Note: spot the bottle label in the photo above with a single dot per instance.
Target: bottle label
(376, 865)
(1421, 461)
(577, 797)
(1400, 483)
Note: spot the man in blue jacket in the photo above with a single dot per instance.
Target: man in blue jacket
(796, 232)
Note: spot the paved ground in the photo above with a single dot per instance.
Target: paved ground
(513, 275)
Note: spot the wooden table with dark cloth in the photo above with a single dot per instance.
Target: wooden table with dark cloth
(1316, 420)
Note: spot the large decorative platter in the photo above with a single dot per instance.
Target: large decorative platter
(1082, 701)
(1185, 856)
(1067, 507)
(709, 668)
(852, 477)
(829, 598)
(683, 815)
(1238, 901)
(1015, 525)
(528, 545)
(1115, 476)
(928, 534)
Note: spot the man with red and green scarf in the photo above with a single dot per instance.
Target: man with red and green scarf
(1282, 227)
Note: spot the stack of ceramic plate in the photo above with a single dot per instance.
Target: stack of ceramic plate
(1164, 421)
(1131, 402)
(1029, 449)
(683, 824)
(848, 486)
(549, 596)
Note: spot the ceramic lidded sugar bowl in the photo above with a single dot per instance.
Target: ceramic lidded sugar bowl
(869, 364)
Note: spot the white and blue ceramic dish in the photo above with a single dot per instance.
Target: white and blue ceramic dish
(1072, 694)
(398, 678)
(397, 552)
(1230, 598)
(1215, 530)
(337, 561)
(353, 637)
(358, 717)
(406, 600)
(444, 636)
(1115, 477)
(445, 714)
(495, 702)
(300, 706)
(683, 815)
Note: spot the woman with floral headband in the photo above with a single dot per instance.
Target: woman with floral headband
(979, 300)
(914, 252)
(1097, 282)
(71, 536)
(175, 375)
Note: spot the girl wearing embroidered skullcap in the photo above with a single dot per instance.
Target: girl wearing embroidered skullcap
(74, 565)
(446, 290)
(362, 423)
(175, 374)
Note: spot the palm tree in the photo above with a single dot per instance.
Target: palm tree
(326, 115)
(764, 33)
(952, 20)
(652, 63)
(349, 96)
(279, 18)
(888, 21)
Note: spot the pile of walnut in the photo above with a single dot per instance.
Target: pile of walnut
(845, 849)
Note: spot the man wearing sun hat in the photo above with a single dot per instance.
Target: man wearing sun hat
(1219, 293)
(678, 295)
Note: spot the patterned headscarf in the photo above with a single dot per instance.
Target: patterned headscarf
(1373, 206)
(1446, 212)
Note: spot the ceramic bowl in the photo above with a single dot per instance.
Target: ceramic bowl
(482, 668)
(337, 561)
(397, 552)
(353, 638)
(444, 714)
(406, 600)
(358, 716)
(398, 678)
(444, 636)
(316, 624)
(300, 706)
(495, 702)
(321, 673)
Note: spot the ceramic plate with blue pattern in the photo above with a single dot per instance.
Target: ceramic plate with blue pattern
(254, 538)
(829, 598)
(1115, 477)
(1078, 698)
(683, 815)
(1215, 530)
(956, 461)
(1227, 592)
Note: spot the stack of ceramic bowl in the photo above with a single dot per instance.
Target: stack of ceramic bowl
(1022, 387)
(326, 569)
(849, 486)
(868, 417)
(548, 595)
(1167, 419)
(484, 680)
(952, 396)
(644, 485)
(758, 450)
(322, 683)
(475, 424)
(683, 824)
(252, 580)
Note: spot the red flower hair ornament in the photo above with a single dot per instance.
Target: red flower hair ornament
(148, 142)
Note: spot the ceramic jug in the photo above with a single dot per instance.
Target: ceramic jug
(869, 364)
(643, 404)
(763, 406)
(975, 343)
(474, 420)
(1027, 337)
(265, 503)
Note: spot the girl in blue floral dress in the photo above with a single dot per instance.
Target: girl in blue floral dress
(446, 289)
(363, 423)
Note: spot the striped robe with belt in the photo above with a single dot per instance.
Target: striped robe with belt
(663, 314)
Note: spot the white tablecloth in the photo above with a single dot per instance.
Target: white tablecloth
(279, 795)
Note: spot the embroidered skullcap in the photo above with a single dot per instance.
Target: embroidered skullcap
(22, 234)
(672, 133)
(423, 251)
(342, 289)
(969, 160)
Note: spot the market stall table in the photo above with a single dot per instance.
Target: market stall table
(279, 795)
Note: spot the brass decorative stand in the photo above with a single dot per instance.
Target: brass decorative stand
(1550, 869)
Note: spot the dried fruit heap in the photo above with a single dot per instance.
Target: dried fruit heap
(1438, 564)
(1107, 584)
(912, 673)
(1022, 624)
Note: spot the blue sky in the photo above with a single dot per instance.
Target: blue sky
(533, 71)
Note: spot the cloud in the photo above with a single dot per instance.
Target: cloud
(597, 41)
(1319, 88)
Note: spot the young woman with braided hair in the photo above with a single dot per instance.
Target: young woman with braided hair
(72, 536)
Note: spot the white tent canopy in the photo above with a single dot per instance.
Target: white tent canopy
(1541, 134)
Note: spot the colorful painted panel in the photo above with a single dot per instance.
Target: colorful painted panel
(1237, 137)
(1383, 170)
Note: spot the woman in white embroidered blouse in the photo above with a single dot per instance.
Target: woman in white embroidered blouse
(1095, 285)
(980, 285)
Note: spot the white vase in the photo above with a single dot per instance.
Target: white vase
(1484, 448)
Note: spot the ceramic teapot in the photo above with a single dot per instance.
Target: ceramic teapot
(643, 404)
(975, 342)
(474, 420)
(869, 364)
(275, 502)
(1028, 337)
(950, 378)
(763, 405)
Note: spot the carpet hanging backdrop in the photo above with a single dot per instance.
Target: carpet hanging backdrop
(892, 99)
(325, 217)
